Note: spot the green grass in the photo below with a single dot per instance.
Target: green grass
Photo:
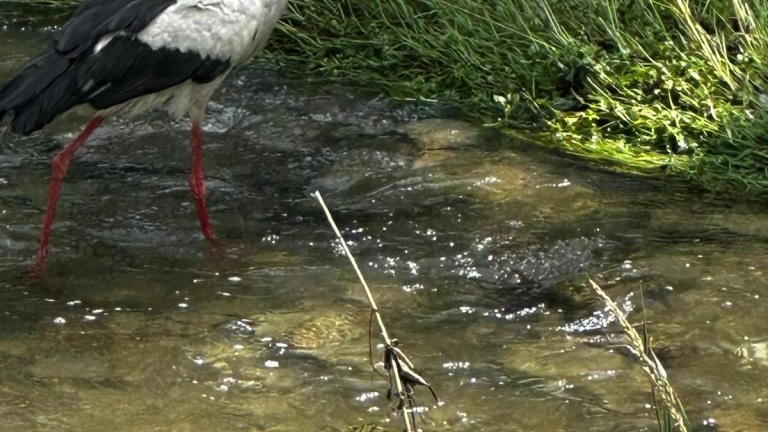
(656, 86)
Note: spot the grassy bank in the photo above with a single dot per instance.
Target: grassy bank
(655, 86)
(662, 86)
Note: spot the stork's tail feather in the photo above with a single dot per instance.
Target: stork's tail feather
(35, 96)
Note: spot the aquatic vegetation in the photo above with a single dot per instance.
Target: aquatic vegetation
(656, 86)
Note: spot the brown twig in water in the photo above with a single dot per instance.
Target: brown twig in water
(400, 368)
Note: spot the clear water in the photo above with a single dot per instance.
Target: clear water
(476, 248)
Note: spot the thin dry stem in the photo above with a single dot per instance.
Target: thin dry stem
(395, 369)
(650, 364)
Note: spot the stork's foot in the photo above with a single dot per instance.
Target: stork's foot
(37, 270)
(197, 187)
(198, 194)
(213, 240)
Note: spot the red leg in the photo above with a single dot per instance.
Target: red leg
(60, 165)
(197, 184)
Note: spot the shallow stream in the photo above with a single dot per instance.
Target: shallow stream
(477, 249)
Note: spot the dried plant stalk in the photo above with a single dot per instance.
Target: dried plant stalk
(396, 363)
(648, 361)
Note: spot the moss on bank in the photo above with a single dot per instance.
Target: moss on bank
(658, 86)
(671, 86)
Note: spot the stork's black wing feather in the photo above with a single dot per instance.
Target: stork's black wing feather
(125, 68)
(31, 81)
(96, 18)
(92, 20)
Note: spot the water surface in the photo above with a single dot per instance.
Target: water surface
(476, 247)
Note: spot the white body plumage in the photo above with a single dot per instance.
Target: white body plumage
(222, 29)
(229, 30)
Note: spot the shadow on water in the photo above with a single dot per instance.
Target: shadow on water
(141, 326)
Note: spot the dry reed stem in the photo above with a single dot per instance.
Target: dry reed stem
(400, 387)
(648, 361)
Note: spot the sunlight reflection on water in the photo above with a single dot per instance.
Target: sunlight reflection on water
(476, 247)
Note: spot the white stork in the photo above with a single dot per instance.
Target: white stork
(137, 55)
